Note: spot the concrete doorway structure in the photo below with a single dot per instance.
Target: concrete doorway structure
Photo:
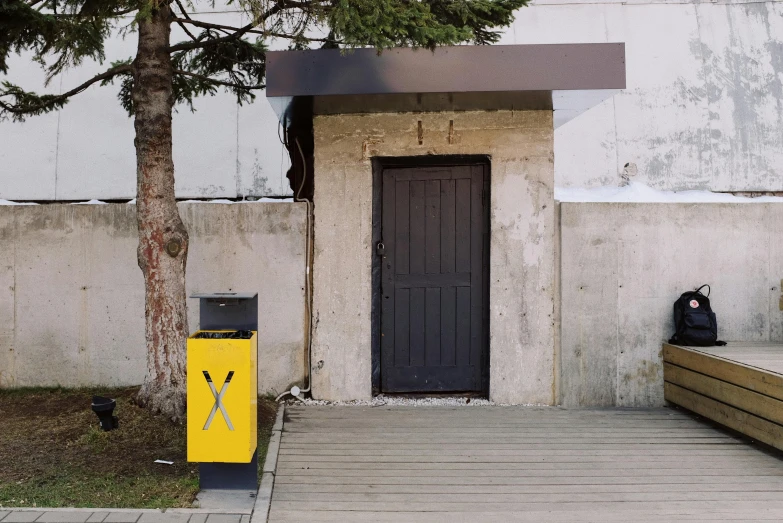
(346, 111)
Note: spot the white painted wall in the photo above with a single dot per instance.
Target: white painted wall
(703, 110)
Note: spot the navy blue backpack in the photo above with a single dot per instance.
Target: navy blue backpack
(694, 322)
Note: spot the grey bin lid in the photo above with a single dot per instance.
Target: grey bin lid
(225, 295)
(228, 310)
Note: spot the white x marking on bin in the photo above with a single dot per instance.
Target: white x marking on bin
(218, 400)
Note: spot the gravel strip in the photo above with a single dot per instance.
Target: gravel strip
(402, 401)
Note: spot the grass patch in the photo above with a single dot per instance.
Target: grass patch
(53, 453)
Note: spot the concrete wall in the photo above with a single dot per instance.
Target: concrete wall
(624, 265)
(703, 110)
(85, 150)
(521, 247)
(72, 296)
(704, 100)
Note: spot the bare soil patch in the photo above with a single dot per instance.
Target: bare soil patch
(53, 453)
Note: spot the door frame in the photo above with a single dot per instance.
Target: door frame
(378, 166)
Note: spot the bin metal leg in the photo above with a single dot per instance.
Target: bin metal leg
(232, 476)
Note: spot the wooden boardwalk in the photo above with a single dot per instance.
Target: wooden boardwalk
(493, 464)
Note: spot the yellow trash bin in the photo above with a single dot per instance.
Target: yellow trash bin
(222, 396)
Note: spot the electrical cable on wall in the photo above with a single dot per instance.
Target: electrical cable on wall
(296, 391)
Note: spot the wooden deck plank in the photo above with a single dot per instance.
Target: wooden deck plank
(548, 497)
(538, 437)
(521, 490)
(466, 468)
(532, 480)
(559, 443)
(522, 433)
(504, 430)
(642, 450)
(523, 472)
(623, 516)
(648, 506)
(533, 449)
(686, 461)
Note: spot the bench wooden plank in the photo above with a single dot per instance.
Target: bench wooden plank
(739, 420)
(736, 373)
(758, 404)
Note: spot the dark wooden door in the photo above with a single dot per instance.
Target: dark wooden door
(434, 279)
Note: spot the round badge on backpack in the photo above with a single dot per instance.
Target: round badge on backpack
(694, 304)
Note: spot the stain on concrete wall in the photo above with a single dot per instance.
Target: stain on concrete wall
(703, 106)
(72, 295)
(624, 265)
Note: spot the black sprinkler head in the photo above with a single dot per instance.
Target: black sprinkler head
(103, 408)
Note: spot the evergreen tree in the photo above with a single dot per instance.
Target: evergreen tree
(61, 34)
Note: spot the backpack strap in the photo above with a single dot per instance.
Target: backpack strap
(698, 291)
(720, 343)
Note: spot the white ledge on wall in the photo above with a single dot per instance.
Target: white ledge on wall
(640, 193)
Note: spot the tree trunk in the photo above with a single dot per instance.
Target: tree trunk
(163, 240)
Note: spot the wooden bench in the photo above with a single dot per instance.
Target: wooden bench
(739, 386)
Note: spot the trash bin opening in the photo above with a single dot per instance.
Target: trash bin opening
(223, 335)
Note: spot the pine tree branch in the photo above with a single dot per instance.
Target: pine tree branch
(109, 73)
(187, 31)
(189, 46)
(50, 102)
(183, 10)
(180, 21)
(207, 25)
(300, 37)
(280, 5)
(218, 82)
(87, 14)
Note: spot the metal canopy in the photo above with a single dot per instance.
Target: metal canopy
(566, 78)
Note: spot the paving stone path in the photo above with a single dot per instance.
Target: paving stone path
(117, 516)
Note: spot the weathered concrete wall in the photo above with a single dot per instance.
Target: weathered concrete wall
(72, 296)
(623, 265)
(85, 150)
(521, 246)
(703, 110)
(704, 100)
